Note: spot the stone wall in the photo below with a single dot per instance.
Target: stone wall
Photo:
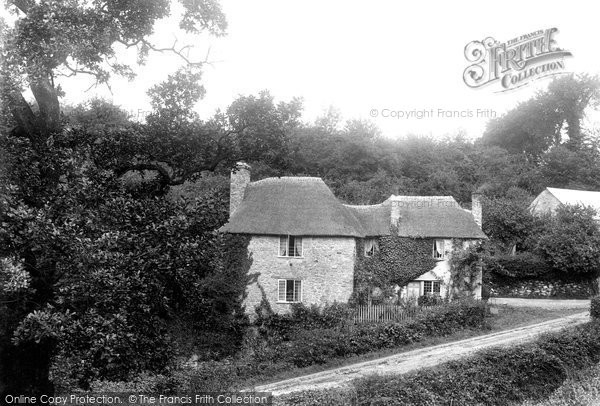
(540, 289)
(326, 270)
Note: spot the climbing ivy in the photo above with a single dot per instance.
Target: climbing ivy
(465, 265)
(398, 261)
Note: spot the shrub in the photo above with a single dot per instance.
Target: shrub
(276, 328)
(328, 397)
(429, 300)
(318, 346)
(595, 307)
(521, 266)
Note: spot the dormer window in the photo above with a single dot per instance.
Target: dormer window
(371, 247)
(290, 246)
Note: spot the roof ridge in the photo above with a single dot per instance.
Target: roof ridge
(298, 179)
(419, 197)
(573, 190)
(364, 206)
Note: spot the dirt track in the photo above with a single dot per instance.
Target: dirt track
(542, 303)
(421, 358)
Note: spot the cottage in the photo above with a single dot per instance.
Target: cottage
(304, 240)
(553, 198)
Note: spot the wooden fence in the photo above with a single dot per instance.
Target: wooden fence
(383, 313)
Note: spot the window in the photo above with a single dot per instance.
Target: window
(371, 247)
(431, 288)
(290, 246)
(290, 291)
(439, 249)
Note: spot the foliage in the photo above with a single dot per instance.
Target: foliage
(329, 397)
(430, 300)
(582, 389)
(320, 345)
(275, 327)
(99, 267)
(398, 261)
(536, 124)
(508, 221)
(570, 240)
(595, 307)
(523, 265)
(466, 266)
(493, 377)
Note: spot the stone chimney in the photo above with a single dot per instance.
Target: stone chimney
(240, 177)
(395, 213)
(476, 210)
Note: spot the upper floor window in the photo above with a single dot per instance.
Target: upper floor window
(371, 247)
(290, 246)
(439, 249)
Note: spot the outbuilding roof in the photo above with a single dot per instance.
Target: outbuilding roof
(576, 197)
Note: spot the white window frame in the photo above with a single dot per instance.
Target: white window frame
(435, 251)
(374, 247)
(282, 295)
(287, 245)
(432, 291)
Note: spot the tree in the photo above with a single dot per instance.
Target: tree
(507, 220)
(570, 240)
(62, 192)
(535, 125)
(53, 39)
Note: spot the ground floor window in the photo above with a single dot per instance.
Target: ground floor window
(290, 291)
(431, 287)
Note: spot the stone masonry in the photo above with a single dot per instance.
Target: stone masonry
(240, 177)
(326, 270)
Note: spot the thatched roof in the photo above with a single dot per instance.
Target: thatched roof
(434, 216)
(306, 206)
(294, 206)
(374, 219)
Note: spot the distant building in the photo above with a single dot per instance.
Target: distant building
(553, 198)
(304, 240)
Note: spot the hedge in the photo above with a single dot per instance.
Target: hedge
(319, 346)
(493, 377)
(497, 376)
(595, 307)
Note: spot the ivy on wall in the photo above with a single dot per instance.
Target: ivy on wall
(465, 265)
(398, 261)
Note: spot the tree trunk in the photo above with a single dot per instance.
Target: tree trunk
(47, 98)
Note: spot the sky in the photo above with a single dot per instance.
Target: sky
(375, 60)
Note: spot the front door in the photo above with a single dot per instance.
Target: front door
(413, 290)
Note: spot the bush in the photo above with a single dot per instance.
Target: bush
(429, 300)
(321, 345)
(521, 266)
(276, 328)
(494, 377)
(595, 307)
(328, 397)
